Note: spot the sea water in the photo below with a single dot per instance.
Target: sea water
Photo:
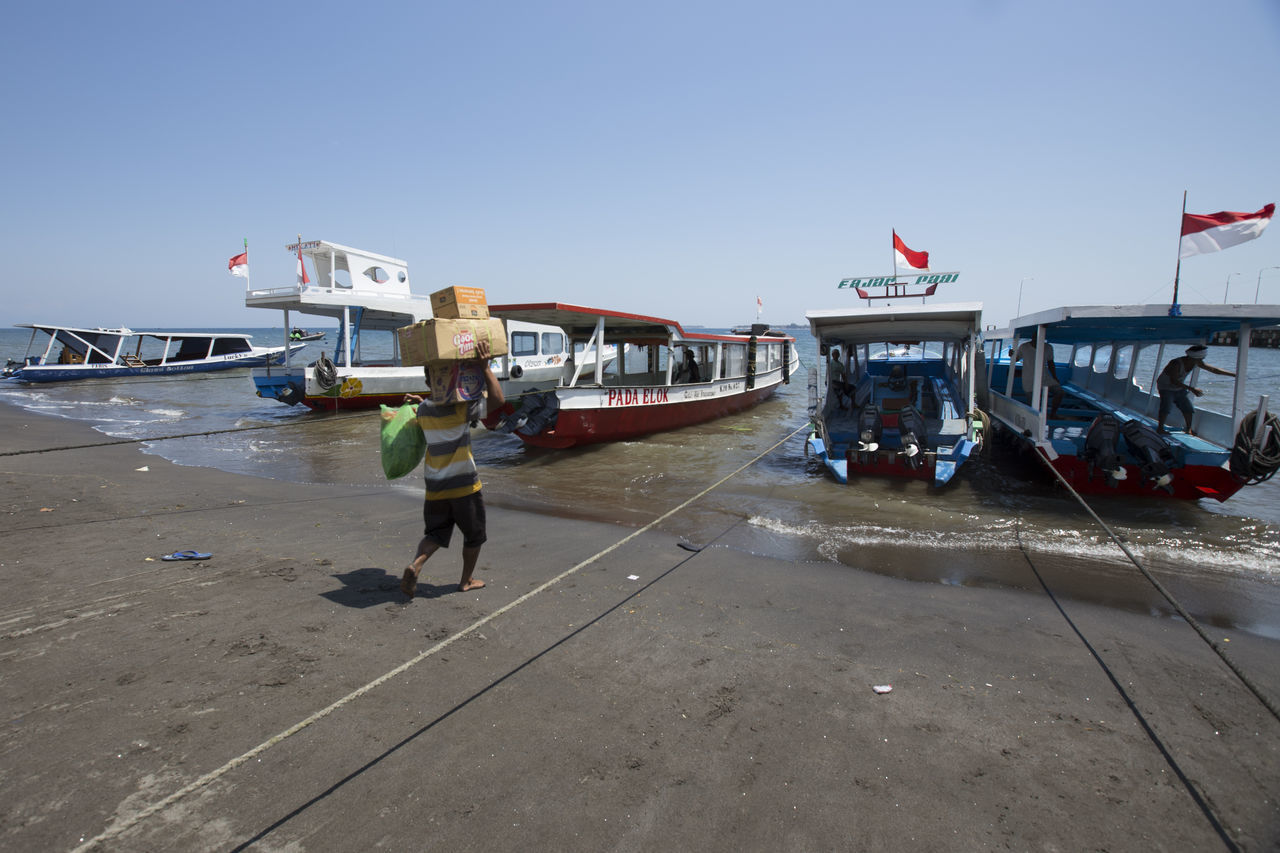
(1002, 521)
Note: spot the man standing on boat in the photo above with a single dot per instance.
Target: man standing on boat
(1027, 355)
(1173, 387)
(453, 497)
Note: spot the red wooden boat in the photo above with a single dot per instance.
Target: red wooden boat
(666, 379)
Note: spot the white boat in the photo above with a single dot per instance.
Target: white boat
(1102, 437)
(70, 353)
(645, 391)
(370, 297)
(900, 400)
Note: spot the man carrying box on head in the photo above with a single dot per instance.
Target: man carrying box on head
(453, 497)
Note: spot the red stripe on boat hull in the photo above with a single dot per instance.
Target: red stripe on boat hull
(1190, 482)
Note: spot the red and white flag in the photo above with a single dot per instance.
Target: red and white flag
(239, 265)
(1213, 232)
(302, 268)
(904, 257)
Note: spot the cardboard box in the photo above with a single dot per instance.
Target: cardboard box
(456, 381)
(450, 340)
(460, 303)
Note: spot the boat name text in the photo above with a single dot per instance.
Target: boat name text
(636, 396)
(900, 281)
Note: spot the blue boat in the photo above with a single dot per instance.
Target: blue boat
(898, 399)
(1075, 384)
(70, 353)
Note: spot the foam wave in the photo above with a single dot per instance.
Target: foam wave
(1249, 557)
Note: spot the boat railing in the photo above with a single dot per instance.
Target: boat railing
(355, 294)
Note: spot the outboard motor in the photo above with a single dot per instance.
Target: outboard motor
(537, 412)
(1102, 449)
(1152, 453)
(914, 435)
(870, 428)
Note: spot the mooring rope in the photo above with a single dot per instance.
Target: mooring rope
(145, 439)
(1159, 587)
(129, 822)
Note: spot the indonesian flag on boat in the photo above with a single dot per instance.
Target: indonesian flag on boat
(1213, 232)
(904, 257)
(302, 268)
(239, 265)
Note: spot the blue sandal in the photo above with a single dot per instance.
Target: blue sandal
(186, 555)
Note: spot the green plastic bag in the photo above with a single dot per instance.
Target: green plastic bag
(403, 444)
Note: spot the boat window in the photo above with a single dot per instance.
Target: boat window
(1084, 356)
(552, 343)
(401, 277)
(377, 275)
(524, 343)
(1102, 355)
(1124, 358)
(734, 360)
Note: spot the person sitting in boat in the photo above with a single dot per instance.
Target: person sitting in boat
(838, 372)
(1173, 388)
(1027, 355)
(688, 371)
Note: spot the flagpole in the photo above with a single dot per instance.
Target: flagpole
(893, 251)
(1177, 271)
(248, 282)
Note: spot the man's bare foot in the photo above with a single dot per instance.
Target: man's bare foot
(409, 582)
(474, 583)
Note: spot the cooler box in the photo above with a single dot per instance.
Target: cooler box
(450, 340)
(460, 303)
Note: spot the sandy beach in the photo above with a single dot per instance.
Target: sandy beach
(608, 690)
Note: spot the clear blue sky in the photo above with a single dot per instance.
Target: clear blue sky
(672, 158)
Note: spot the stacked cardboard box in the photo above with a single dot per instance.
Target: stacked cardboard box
(448, 345)
(460, 303)
(450, 340)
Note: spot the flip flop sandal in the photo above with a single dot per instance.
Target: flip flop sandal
(186, 555)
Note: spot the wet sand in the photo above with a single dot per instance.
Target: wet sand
(600, 693)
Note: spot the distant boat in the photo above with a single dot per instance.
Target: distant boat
(905, 408)
(370, 297)
(71, 353)
(296, 334)
(669, 378)
(1103, 439)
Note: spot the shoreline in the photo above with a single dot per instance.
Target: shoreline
(722, 699)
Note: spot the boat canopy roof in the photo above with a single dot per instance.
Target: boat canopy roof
(580, 322)
(940, 322)
(375, 291)
(1138, 323)
(126, 332)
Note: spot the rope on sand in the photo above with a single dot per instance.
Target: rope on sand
(122, 825)
(1248, 682)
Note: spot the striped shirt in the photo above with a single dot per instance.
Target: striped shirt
(449, 467)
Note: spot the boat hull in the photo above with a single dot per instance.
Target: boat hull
(72, 372)
(1191, 480)
(629, 413)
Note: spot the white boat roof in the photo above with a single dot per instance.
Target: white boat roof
(580, 321)
(1098, 323)
(377, 285)
(938, 322)
(126, 332)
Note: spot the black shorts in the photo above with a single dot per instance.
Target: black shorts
(467, 513)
